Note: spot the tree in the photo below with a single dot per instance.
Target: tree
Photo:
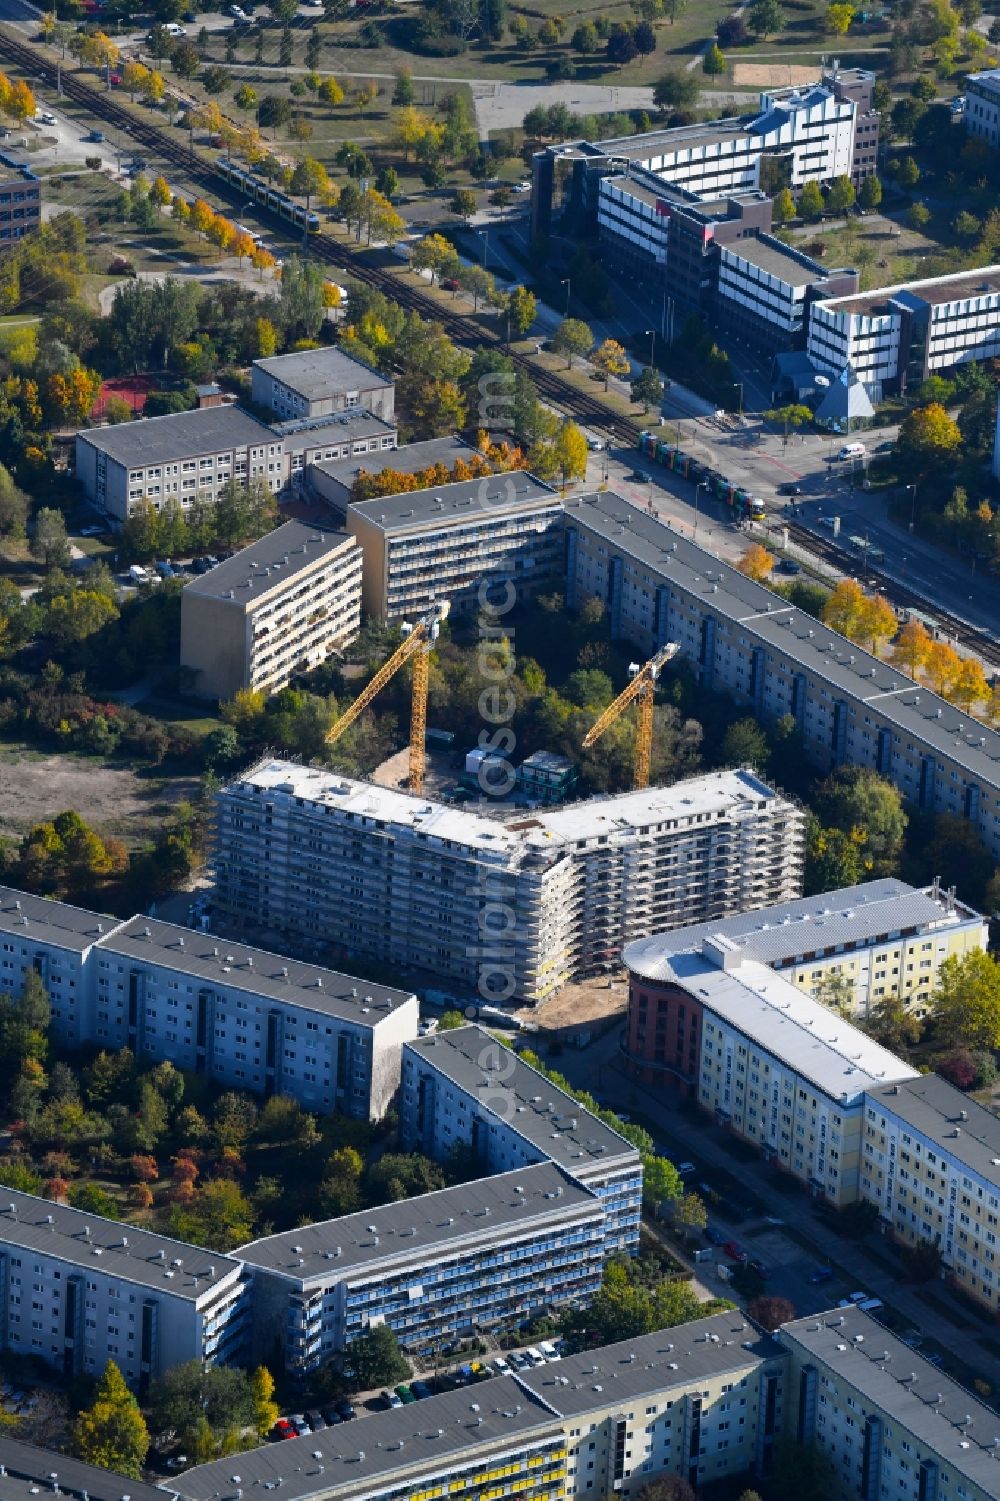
(464, 203)
(941, 666)
(919, 216)
(966, 226)
(403, 91)
(784, 207)
(218, 1216)
(744, 743)
(841, 195)
(668, 1487)
(922, 1261)
(843, 608)
(811, 203)
(522, 307)
(374, 1359)
(573, 337)
(862, 804)
(611, 359)
(965, 1005)
(909, 652)
(969, 685)
(49, 542)
(871, 194)
(621, 47)
(222, 1396)
(570, 452)
(927, 435)
(714, 61)
(771, 1311)
(731, 31)
(585, 39)
(689, 1214)
(756, 563)
(765, 17)
(677, 90)
(111, 1432)
(266, 1410)
(876, 622)
(331, 92)
(647, 388)
(660, 1180)
(310, 179)
(838, 17)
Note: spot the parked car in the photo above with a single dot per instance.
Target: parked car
(857, 1297)
(346, 1410)
(821, 1274)
(501, 1366)
(94, 136)
(46, 117)
(519, 1360)
(686, 1169)
(404, 1394)
(870, 1305)
(391, 1400)
(735, 1252)
(283, 1429)
(299, 1423)
(535, 1355)
(789, 487)
(317, 1422)
(522, 187)
(761, 1268)
(165, 570)
(549, 1349)
(172, 28)
(450, 284)
(713, 1236)
(331, 1416)
(789, 565)
(420, 1390)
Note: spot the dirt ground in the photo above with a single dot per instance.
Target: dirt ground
(774, 75)
(583, 1003)
(115, 800)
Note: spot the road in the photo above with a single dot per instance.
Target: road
(682, 1135)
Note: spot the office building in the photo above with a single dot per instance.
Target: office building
(334, 482)
(765, 291)
(278, 608)
(773, 1065)
(982, 106)
(249, 1019)
(442, 543)
(320, 383)
(182, 457)
(20, 205)
(703, 1400)
(77, 1291)
(893, 339)
(931, 1166)
(56, 941)
(488, 1255)
(857, 947)
(461, 1088)
(402, 880)
(850, 708)
(887, 1421)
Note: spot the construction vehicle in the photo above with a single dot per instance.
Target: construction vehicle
(416, 646)
(641, 689)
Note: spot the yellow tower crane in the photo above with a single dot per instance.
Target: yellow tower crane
(416, 646)
(642, 687)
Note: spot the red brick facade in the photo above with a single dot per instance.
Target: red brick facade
(663, 1034)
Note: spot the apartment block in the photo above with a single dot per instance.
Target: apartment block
(56, 941)
(279, 607)
(320, 383)
(765, 290)
(27, 1470)
(773, 1065)
(487, 1255)
(444, 542)
(20, 205)
(249, 1019)
(931, 1166)
(334, 482)
(887, 1421)
(704, 1401)
(182, 457)
(982, 106)
(462, 1088)
(895, 338)
(861, 945)
(77, 1291)
(850, 708)
(402, 880)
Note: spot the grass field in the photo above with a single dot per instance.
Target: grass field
(186, 716)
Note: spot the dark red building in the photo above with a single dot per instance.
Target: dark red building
(663, 1031)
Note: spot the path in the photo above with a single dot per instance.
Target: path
(690, 67)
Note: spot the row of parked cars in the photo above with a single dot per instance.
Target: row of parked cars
(314, 1421)
(138, 574)
(543, 1353)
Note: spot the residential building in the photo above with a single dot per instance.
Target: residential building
(548, 778)
(893, 339)
(488, 1255)
(765, 289)
(402, 880)
(887, 1421)
(76, 1291)
(20, 205)
(182, 457)
(251, 1020)
(442, 543)
(931, 1166)
(982, 106)
(849, 707)
(26, 1470)
(704, 1400)
(461, 1088)
(309, 441)
(279, 607)
(56, 941)
(333, 482)
(319, 383)
(773, 1065)
(856, 947)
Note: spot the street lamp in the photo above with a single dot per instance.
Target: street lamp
(485, 235)
(652, 347)
(701, 485)
(566, 282)
(739, 386)
(913, 505)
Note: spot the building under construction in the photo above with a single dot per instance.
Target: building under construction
(508, 909)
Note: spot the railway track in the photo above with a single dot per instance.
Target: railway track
(463, 330)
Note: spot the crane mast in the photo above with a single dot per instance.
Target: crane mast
(641, 690)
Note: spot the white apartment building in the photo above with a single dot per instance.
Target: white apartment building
(320, 383)
(487, 1255)
(931, 1166)
(402, 880)
(279, 607)
(77, 1291)
(463, 1088)
(182, 457)
(442, 543)
(56, 941)
(882, 939)
(249, 1019)
(888, 1422)
(982, 106)
(898, 336)
(849, 707)
(769, 1062)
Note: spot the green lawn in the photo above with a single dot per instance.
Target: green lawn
(185, 715)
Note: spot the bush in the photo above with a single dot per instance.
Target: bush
(959, 1068)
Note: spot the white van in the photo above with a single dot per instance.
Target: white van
(852, 451)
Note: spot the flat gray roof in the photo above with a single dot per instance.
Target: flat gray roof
(156, 1261)
(937, 1110)
(405, 460)
(777, 260)
(430, 1226)
(274, 977)
(910, 707)
(914, 1393)
(682, 1356)
(851, 915)
(319, 372)
(494, 492)
(273, 560)
(544, 1115)
(933, 290)
(179, 435)
(27, 1466)
(427, 1436)
(339, 427)
(35, 918)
